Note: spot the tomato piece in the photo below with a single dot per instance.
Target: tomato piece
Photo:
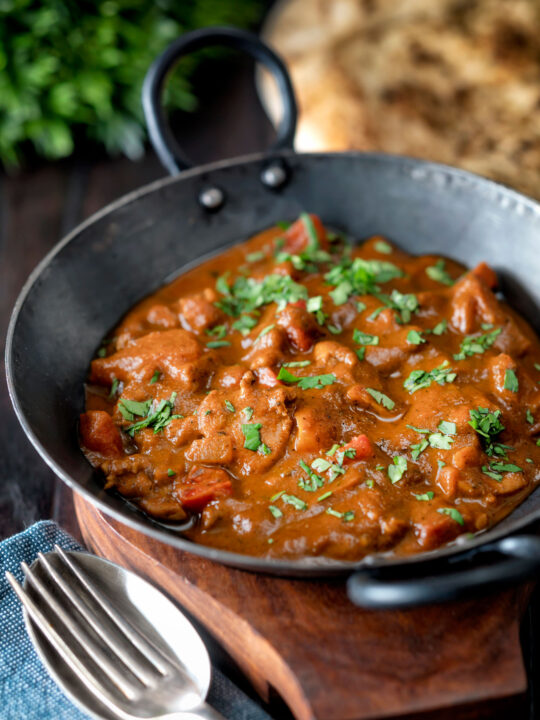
(363, 447)
(99, 434)
(486, 274)
(297, 238)
(206, 484)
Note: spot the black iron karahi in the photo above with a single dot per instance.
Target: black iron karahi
(138, 243)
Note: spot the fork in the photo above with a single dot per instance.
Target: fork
(120, 665)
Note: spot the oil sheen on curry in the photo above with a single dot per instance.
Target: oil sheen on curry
(297, 396)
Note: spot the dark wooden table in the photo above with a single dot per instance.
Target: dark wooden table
(38, 207)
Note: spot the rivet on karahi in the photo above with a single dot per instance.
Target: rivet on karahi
(273, 176)
(211, 198)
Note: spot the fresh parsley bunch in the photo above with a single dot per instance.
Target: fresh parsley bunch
(71, 70)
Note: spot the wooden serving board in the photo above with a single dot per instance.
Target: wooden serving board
(326, 658)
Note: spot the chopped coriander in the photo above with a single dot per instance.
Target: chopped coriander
(537, 366)
(248, 412)
(324, 496)
(102, 352)
(424, 431)
(505, 467)
(270, 541)
(379, 467)
(252, 435)
(264, 449)
(348, 516)
(315, 481)
(419, 379)
(415, 338)
(529, 460)
(476, 344)
(244, 324)
(170, 472)
(114, 389)
(218, 331)
(207, 412)
(311, 232)
(453, 513)
(335, 513)
(276, 496)
(229, 406)
(440, 328)
(297, 363)
(425, 496)
(361, 353)
(419, 448)
(362, 338)
(264, 332)
(321, 465)
(294, 501)
(369, 483)
(282, 225)
(247, 294)
(360, 306)
(155, 377)
(359, 277)
(440, 464)
(156, 418)
(309, 382)
(438, 273)
(334, 329)
(447, 427)
(440, 441)
(217, 343)
(276, 512)
(510, 381)
(332, 450)
(397, 470)
(314, 303)
(404, 305)
(529, 416)
(492, 474)
(130, 408)
(383, 247)
(488, 425)
(255, 256)
(486, 326)
(381, 398)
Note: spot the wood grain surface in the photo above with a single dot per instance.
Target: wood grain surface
(328, 659)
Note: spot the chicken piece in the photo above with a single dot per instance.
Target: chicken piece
(162, 316)
(312, 434)
(473, 303)
(199, 312)
(485, 273)
(300, 325)
(213, 450)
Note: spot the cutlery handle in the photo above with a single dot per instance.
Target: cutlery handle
(202, 712)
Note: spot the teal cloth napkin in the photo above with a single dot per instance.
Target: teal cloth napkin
(26, 690)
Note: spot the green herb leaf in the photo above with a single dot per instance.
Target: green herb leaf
(256, 256)
(218, 331)
(510, 381)
(229, 406)
(248, 294)
(359, 277)
(415, 338)
(264, 332)
(157, 416)
(397, 470)
(314, 303)
(440, 441)
(476, 344)
(171, 472)
(248, 412)
(440, 328)
(155, 377)
(425, 496)
(244, 324)
(297, 363)
(419, 448)
(438, 273)
(529, 416)
(488, 425)
(447, 427)
(419, 379)
(294, 501)
(324, 496)
(130, 408)
(217, 343)
(276, 512)
(383, 247)
(114, 389)
(453, 513)
(362, 338)
(381, 398)
(309, 382)
(252, 435)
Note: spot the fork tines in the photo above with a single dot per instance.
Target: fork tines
(76, 616)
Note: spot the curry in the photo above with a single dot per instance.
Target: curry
(297, 396)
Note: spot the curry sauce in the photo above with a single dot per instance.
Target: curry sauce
(298, 396)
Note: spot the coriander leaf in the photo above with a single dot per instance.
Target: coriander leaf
(264, 332)
(404, 305)
(324, 496)
(383, 247)
(528, 415)
(314, 303)
(419, 379)
(510, 381)
(244, 324)
(311, 232)
(248, 412)
(155, 377)
(425, 431)
(440, 441)
(440, 328)
(488, 425)
(264, 449)
(217, 344)
(476, 344)
(415, 338)
(362, 338)
(308, 382)
(294, 501)
(276, 512)
(170, 472)
(321, 465)
(256, 256)
(397, 470)
(335, 513)
(114, 389)
(229, 406)
(381, 398)
(248, 294)
(218, 331)
(438, 273)
(419, 448)
(252, 435)
(156, 418)
(297, 363)
(359, 277)
(130, 408)
(447, 427)
(425, 496)
(453, 513)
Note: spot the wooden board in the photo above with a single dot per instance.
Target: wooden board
(328, 659)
